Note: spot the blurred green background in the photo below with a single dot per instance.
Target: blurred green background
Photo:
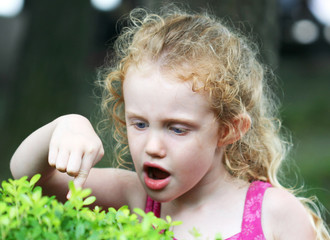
(51, 50)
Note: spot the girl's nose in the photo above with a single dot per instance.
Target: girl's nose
(155, 146)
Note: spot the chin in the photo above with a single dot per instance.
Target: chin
(160, 196)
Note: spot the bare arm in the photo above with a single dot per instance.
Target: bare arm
(66, 149)
(31, 156)
(67, 144)
(111, 187)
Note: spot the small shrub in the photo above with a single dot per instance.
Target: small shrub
(26, 214)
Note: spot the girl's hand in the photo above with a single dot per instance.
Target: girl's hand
(74, 147)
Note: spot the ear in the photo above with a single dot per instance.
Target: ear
(239, 126)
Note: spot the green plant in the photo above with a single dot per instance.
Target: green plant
(26, 214)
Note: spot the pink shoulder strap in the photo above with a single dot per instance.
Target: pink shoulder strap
(251, 224)
(153, 206)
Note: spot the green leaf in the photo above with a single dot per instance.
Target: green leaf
(72, 187)
(4, 220)
(2, 207)
(37, 193)
(26, 199)
(176, 223)
(85, 192)
(34, 179)
(195, 232)
(80, 230)
(218, 236)
(89, 200)
(139, 212)
(26, 214)
(9, 188)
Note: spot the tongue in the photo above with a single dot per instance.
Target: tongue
(158, 174)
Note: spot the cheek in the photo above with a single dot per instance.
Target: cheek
(192, 158)
(207, 143)
(193, 169)
(134, 152)
(133, 146)
(202, 153)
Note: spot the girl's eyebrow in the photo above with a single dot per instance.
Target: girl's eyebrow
(179, 120)
(183, 121)
(133, 115)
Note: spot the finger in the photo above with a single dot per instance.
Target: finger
(85, 167)
(52, 155)
(74, 163)
(68, 195)
(99, 156)
(62, 160)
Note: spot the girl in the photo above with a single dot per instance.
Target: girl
(189, 99)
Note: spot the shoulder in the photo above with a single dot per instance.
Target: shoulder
(285, 217)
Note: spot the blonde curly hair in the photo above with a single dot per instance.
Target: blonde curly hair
(220, 62)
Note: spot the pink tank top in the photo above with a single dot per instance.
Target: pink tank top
(251, 224)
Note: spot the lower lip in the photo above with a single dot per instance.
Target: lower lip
(156, 184)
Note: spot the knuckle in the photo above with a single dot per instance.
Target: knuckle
(53, 143)
(83, 174)
(99, 142)
(101, 152)
(91, 149)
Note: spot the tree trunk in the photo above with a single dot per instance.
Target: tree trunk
(52, 71)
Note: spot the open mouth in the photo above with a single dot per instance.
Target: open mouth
(156, 173)
(155, 177)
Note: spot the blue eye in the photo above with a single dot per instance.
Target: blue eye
(179, 131)
(141, 125)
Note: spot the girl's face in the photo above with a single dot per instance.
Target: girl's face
(172, 133)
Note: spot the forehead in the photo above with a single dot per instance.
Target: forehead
(147, 85)
(150, 77)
